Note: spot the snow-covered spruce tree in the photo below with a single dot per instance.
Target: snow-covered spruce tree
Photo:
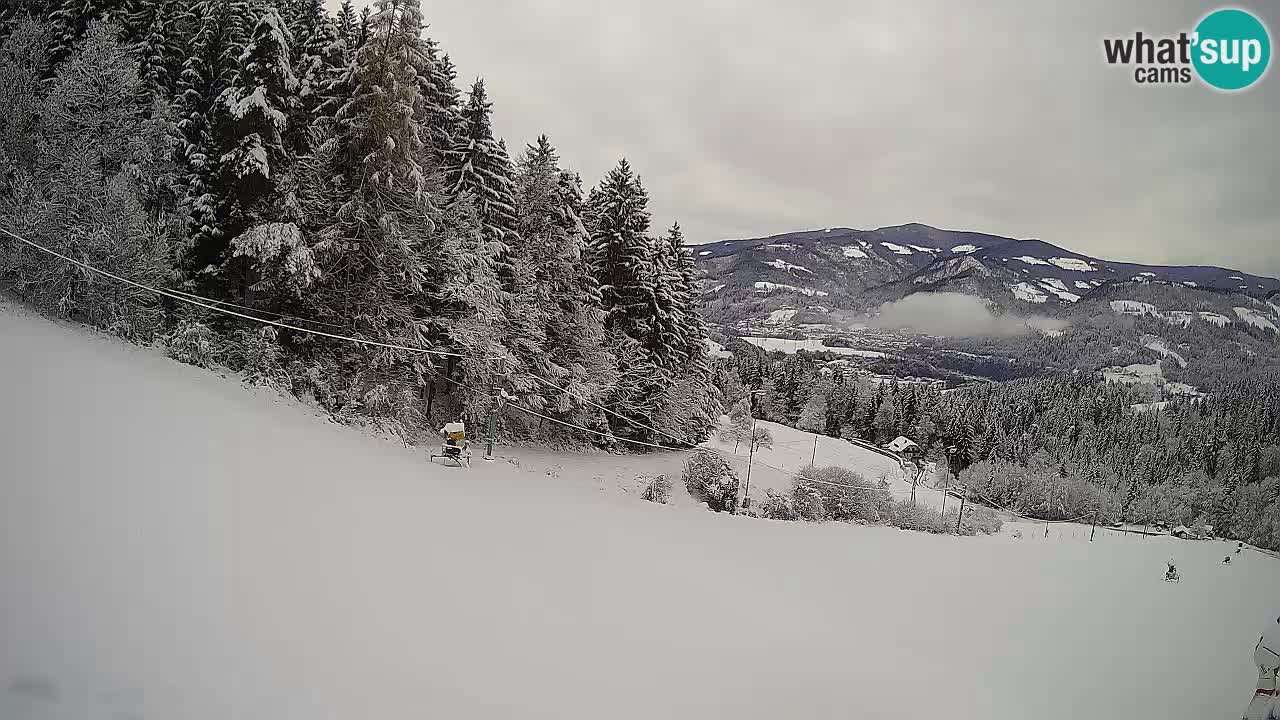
(159, 45)
(621, 254)
(348, 25)
(220, 34)
(667, 324)
(70, 19)
(478, 165)
(319, 57)
(95, 138)
(443, 114)
(565, 299)
(250, 120)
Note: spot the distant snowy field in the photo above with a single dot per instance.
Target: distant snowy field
(175, 545)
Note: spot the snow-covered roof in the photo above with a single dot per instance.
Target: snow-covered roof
(901, 444)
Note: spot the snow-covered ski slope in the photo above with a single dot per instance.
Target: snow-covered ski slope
(175, 545)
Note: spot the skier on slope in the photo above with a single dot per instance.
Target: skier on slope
(1266, 655)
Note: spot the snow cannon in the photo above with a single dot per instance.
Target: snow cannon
(455, 432)
(1266, 655)
(455, 448)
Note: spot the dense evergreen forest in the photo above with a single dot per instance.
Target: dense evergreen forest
(328, 173)
(1053, 447)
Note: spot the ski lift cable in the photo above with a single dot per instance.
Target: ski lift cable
(253, 309)
(553, 384)
(527, 411)
(207, 306)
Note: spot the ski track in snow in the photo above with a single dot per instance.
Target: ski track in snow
(176, 545)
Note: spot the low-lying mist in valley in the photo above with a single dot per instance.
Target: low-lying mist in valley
(956, 315)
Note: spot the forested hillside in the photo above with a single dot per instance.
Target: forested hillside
(1059, 446)
(327, 172)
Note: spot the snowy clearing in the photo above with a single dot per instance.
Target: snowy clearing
(1029, 293)
(779, 317)
(176, 545)
(1136, 373)
(1031, 260)
(897, 249)
(704, 253)
(1075, 264)
(1133, 307)
(773, 287)
(965, 249)
(791, 347)
(792, 451)
(1082, 285)
(716, 350)
(917, 248)
(1255, 318)
(784, 265)
(853, 251)
(1160, 346)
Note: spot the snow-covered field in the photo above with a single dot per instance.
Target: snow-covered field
(774, 468)
(175, 545)
(792, 347)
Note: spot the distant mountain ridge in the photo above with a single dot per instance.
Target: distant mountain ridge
(856, 270)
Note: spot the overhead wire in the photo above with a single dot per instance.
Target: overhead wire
(214, 308)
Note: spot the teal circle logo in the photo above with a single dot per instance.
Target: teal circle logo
(1232, 49)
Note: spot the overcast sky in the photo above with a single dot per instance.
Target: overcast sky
(753, 117)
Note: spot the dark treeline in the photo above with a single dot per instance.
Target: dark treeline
(1053, 447)
(328, 169)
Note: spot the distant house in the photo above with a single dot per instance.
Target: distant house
(1186, 533)
(904, 446)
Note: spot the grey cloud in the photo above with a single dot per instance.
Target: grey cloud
(955, 315)
(751, 118)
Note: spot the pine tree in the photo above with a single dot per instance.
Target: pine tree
(479, 167)
(620, 252)
(319, 58)
(443, 115)
(221, 32)
(365, 27)
(251, 118)
(70, 18)
(348, 26)
(159, 45)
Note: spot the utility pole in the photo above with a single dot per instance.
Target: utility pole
(960, 519)
(751, 453)
(1093, 529)
(493, 405)
(946, 488)
(814, 460)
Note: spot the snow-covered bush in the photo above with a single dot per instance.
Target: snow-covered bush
(982, 520)
(257, 353)
(777, 506)
(906, 516)
(711, 480)
(656, 489)
(193, 343)
(845, 495)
